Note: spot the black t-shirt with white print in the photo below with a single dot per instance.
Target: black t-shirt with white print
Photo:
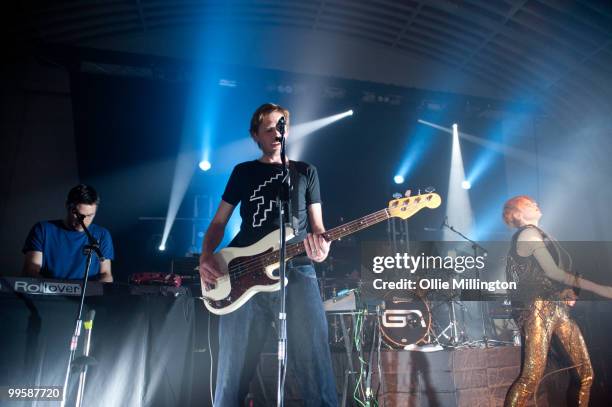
(254, 185)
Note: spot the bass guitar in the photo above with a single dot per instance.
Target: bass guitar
(251, 269)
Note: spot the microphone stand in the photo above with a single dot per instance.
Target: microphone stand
(92, 246)
(476, 247)
(284, 204)
(84, 361)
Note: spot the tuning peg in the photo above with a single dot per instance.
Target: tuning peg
(430, 189)
(407, 193)
(397, 195)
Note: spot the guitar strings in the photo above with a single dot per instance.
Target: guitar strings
(259, 260)
(275, 254)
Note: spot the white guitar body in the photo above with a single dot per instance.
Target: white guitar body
(227, 295)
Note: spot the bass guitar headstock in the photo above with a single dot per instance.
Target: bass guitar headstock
(406, 207)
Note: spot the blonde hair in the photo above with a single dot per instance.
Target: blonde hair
(513, 207)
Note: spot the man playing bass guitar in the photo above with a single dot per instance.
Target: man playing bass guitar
(242, 332)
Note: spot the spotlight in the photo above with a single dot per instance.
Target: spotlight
(465, 184)
(162, 247)
(204, 165)
(398, 179)
(455, 130)
(298, 131)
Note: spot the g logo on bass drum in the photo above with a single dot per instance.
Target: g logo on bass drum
(405, 320)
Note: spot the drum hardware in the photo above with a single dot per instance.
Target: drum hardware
(452, 328)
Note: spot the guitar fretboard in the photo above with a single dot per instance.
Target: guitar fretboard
(295, 249)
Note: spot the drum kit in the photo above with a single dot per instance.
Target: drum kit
(407, 319)
(404, 319)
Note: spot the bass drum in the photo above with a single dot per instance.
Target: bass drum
(405, 319)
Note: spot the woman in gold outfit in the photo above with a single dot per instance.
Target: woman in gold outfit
(539, 265)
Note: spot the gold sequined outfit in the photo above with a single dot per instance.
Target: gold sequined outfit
(540, 316)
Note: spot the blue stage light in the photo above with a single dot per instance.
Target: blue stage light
(398, 179)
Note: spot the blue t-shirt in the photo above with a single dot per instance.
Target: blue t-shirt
(62, 249)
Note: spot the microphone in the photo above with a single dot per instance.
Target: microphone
(280, 127)
(78, 215)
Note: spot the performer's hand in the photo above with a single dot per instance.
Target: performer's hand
(568, 296)
(317, 248)
(209, 269)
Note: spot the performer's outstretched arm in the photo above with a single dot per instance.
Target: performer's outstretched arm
(530, 242)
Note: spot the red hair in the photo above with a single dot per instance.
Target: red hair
(513, 207)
